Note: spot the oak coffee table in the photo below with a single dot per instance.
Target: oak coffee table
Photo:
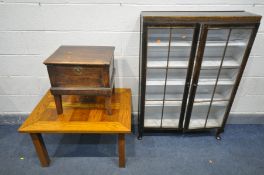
(81, 116)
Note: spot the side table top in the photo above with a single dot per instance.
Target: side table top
(82, 55)
(82, 114)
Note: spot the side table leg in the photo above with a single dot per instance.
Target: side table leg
(40, 149)
(58, 103)
(121, 150)
(108, 105)
(113, 91)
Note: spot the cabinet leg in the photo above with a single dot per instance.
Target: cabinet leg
(40, 149)
(121, 150)
(108, 105)
(58, 103)
(218, 132)
(140, 133)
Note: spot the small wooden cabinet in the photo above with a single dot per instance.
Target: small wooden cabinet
(191, 64)
(81, 70)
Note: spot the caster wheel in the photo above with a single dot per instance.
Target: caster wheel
(218, 137)
(139, 138)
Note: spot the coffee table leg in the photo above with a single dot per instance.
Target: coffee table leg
(40, 149)
(58, 103)
(121, 150)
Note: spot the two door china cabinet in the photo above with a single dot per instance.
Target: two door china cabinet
(191, 64)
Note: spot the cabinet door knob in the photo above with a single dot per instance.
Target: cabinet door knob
(77, 70)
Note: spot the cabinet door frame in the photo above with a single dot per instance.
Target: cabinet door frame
(197, 68)
(143, 69)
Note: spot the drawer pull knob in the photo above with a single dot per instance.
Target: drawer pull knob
(77, 70)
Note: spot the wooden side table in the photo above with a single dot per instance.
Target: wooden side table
(81, 115)
(82, 70)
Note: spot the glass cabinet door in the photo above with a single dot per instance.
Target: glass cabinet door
(222, 57)
(157, 56)
(168, 54)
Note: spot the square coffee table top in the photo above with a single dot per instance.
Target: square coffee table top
(82, 114)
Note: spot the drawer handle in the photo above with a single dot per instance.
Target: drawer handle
(77, 70)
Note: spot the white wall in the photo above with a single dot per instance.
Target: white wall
(30, 30)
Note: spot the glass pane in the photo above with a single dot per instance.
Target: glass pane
(199, 113)
(213, 53)
(153, 110)
(222, 92)
(171, 114)
(228, 74)
(154, 92)
(236, 47)
(206, 83)
(182, 35)
(156, 74)
(214, 48)
(216, 114)
(181, 42)
(177, 74)
(158, 47)
(225, 84)
(217, 37)
(155, 81)
(175, 84)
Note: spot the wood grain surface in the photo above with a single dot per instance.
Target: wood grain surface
(82, 114)
(82, 55)
(201, 16)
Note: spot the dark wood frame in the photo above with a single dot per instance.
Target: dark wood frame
(201, 25)
(104, 88)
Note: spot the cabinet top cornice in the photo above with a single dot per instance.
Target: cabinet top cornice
(201, 16)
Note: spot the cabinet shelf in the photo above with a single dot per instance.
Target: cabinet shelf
(216, 103)
(208, 63)
(159, 96)
(162, 82)
(178, 97)
(160, 103)
(207, 97)
(152, 123)
(181, 82)
(163, 64)
(166, 44)
(166, 123)
(173, 123)
(198, 123)
(205, 82)
(179, 103)
(228, 63)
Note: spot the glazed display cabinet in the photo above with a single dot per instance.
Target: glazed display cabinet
(191, 64)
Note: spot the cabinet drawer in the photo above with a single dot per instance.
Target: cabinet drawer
(76, 76)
